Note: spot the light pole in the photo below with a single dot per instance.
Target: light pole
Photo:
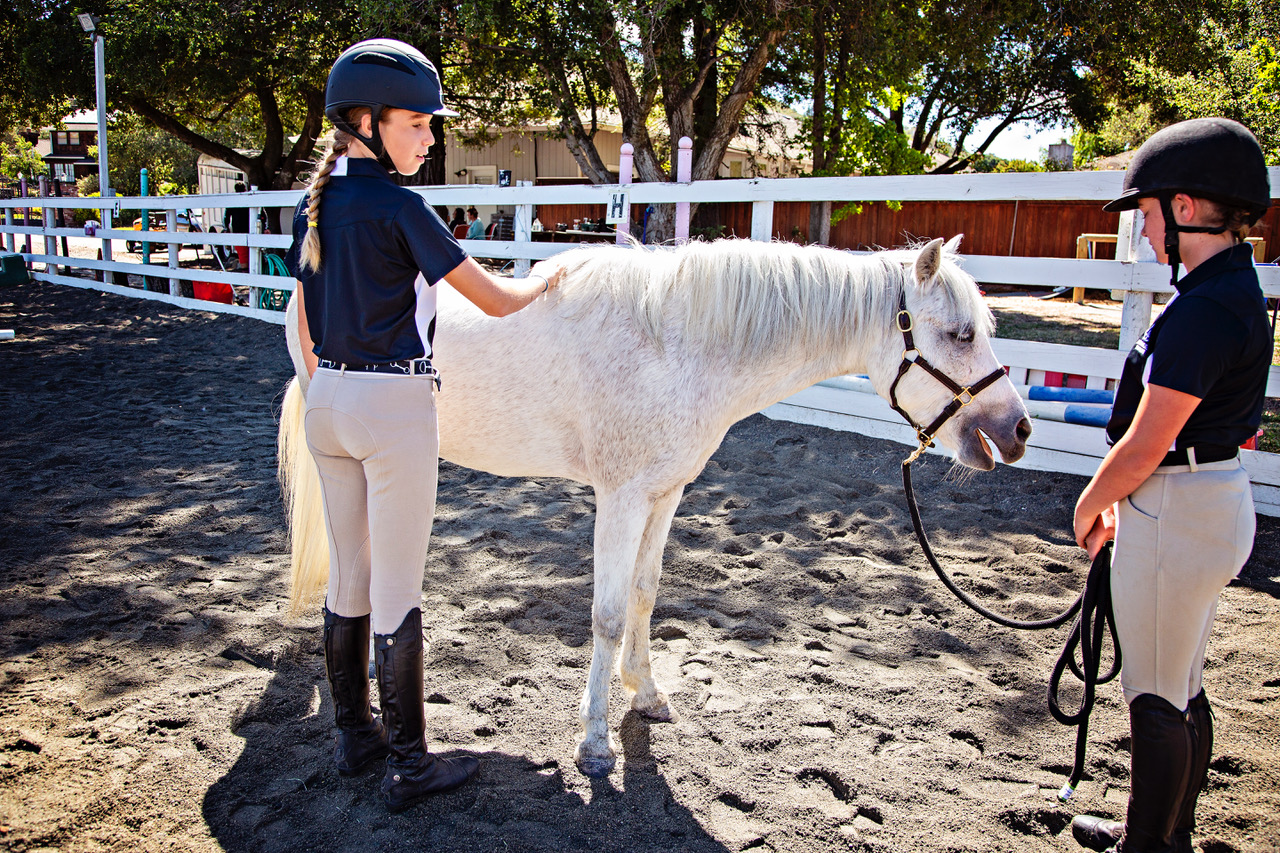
(90, 25)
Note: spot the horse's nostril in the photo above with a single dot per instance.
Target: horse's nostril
(1023, 430)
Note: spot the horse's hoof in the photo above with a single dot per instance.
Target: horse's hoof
(596, 768)
(665, 714)
(659, 712)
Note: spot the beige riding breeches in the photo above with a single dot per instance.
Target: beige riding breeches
(375, 442)
(1180, 539)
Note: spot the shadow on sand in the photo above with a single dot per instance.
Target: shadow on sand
(283, 793)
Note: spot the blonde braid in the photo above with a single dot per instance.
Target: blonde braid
(310, 254)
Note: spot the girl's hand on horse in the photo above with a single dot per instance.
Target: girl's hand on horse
(494, 295)
(550, 270)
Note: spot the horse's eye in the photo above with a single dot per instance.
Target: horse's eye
(963, 336)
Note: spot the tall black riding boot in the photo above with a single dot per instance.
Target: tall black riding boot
(412, 772)
(1200, 715)
(361, 738)
(1160, 774)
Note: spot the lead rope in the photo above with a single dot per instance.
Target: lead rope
(1094, 608)
(1093, 605)
(1096, 614)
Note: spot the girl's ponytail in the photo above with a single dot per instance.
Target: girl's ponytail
(310, 253)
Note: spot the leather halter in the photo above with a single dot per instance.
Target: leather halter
(961, 395)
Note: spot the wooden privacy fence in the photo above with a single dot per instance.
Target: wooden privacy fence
(1054, 446)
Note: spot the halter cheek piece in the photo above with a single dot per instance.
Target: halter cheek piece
(962, 395)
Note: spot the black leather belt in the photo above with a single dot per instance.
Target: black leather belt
(404, 367)
(1204, 455)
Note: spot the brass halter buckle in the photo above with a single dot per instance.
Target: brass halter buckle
(910, 323)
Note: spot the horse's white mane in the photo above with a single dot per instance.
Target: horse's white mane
(751, 297)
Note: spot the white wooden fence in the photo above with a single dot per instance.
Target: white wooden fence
(1054, 446)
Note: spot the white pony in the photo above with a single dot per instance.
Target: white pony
(628, 375)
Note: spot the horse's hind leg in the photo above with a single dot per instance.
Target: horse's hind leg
(620, 524)
(636, 672)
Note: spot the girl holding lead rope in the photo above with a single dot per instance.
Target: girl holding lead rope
(1172, 492)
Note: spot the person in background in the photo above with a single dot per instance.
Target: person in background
(236, 221)
(1172, 491)
(368, 254)
(459, 218)
(475, 229)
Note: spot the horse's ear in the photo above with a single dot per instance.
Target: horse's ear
(953, 245)
(929, 261)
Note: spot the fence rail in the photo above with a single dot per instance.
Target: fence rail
(1054, 446)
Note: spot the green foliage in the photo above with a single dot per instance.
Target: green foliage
(80, 215)
(1228, 65)
(990, 163)
(855, 208)
(20, 157)
(219, 76)
(133, 145)
(1125, 128)
(1016, 165)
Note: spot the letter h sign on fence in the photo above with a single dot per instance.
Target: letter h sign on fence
(617, 212)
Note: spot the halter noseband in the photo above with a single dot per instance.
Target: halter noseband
(961, 395)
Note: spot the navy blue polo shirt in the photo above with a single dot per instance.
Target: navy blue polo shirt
(1213, 341)
(366, 305)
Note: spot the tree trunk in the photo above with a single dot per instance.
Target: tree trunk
(436, 166)
(819, 91)
(662, 225)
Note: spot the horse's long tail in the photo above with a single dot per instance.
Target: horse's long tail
(300, 481)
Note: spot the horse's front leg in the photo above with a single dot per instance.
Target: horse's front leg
(636, 671)
(620, 523)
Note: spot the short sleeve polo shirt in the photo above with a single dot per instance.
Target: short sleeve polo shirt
(366, 304)
(1213, 342)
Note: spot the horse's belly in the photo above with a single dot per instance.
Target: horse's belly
(497, 411)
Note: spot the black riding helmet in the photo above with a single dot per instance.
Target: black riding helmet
(382, 73)
(1212, 158)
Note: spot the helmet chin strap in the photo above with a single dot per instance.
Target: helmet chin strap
(374, 141)
(1171, 229)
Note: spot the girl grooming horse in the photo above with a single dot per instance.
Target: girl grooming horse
(368, 255)
(629, 374)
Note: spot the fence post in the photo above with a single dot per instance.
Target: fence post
(62, 222)
(684, 175)
(625, 157)
(26, 213)
(175, 249)
(1135, 316)
(255, 259)
(46, 221)
(11, 243)
(523, 231)
(762, 221)
(108, 246)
